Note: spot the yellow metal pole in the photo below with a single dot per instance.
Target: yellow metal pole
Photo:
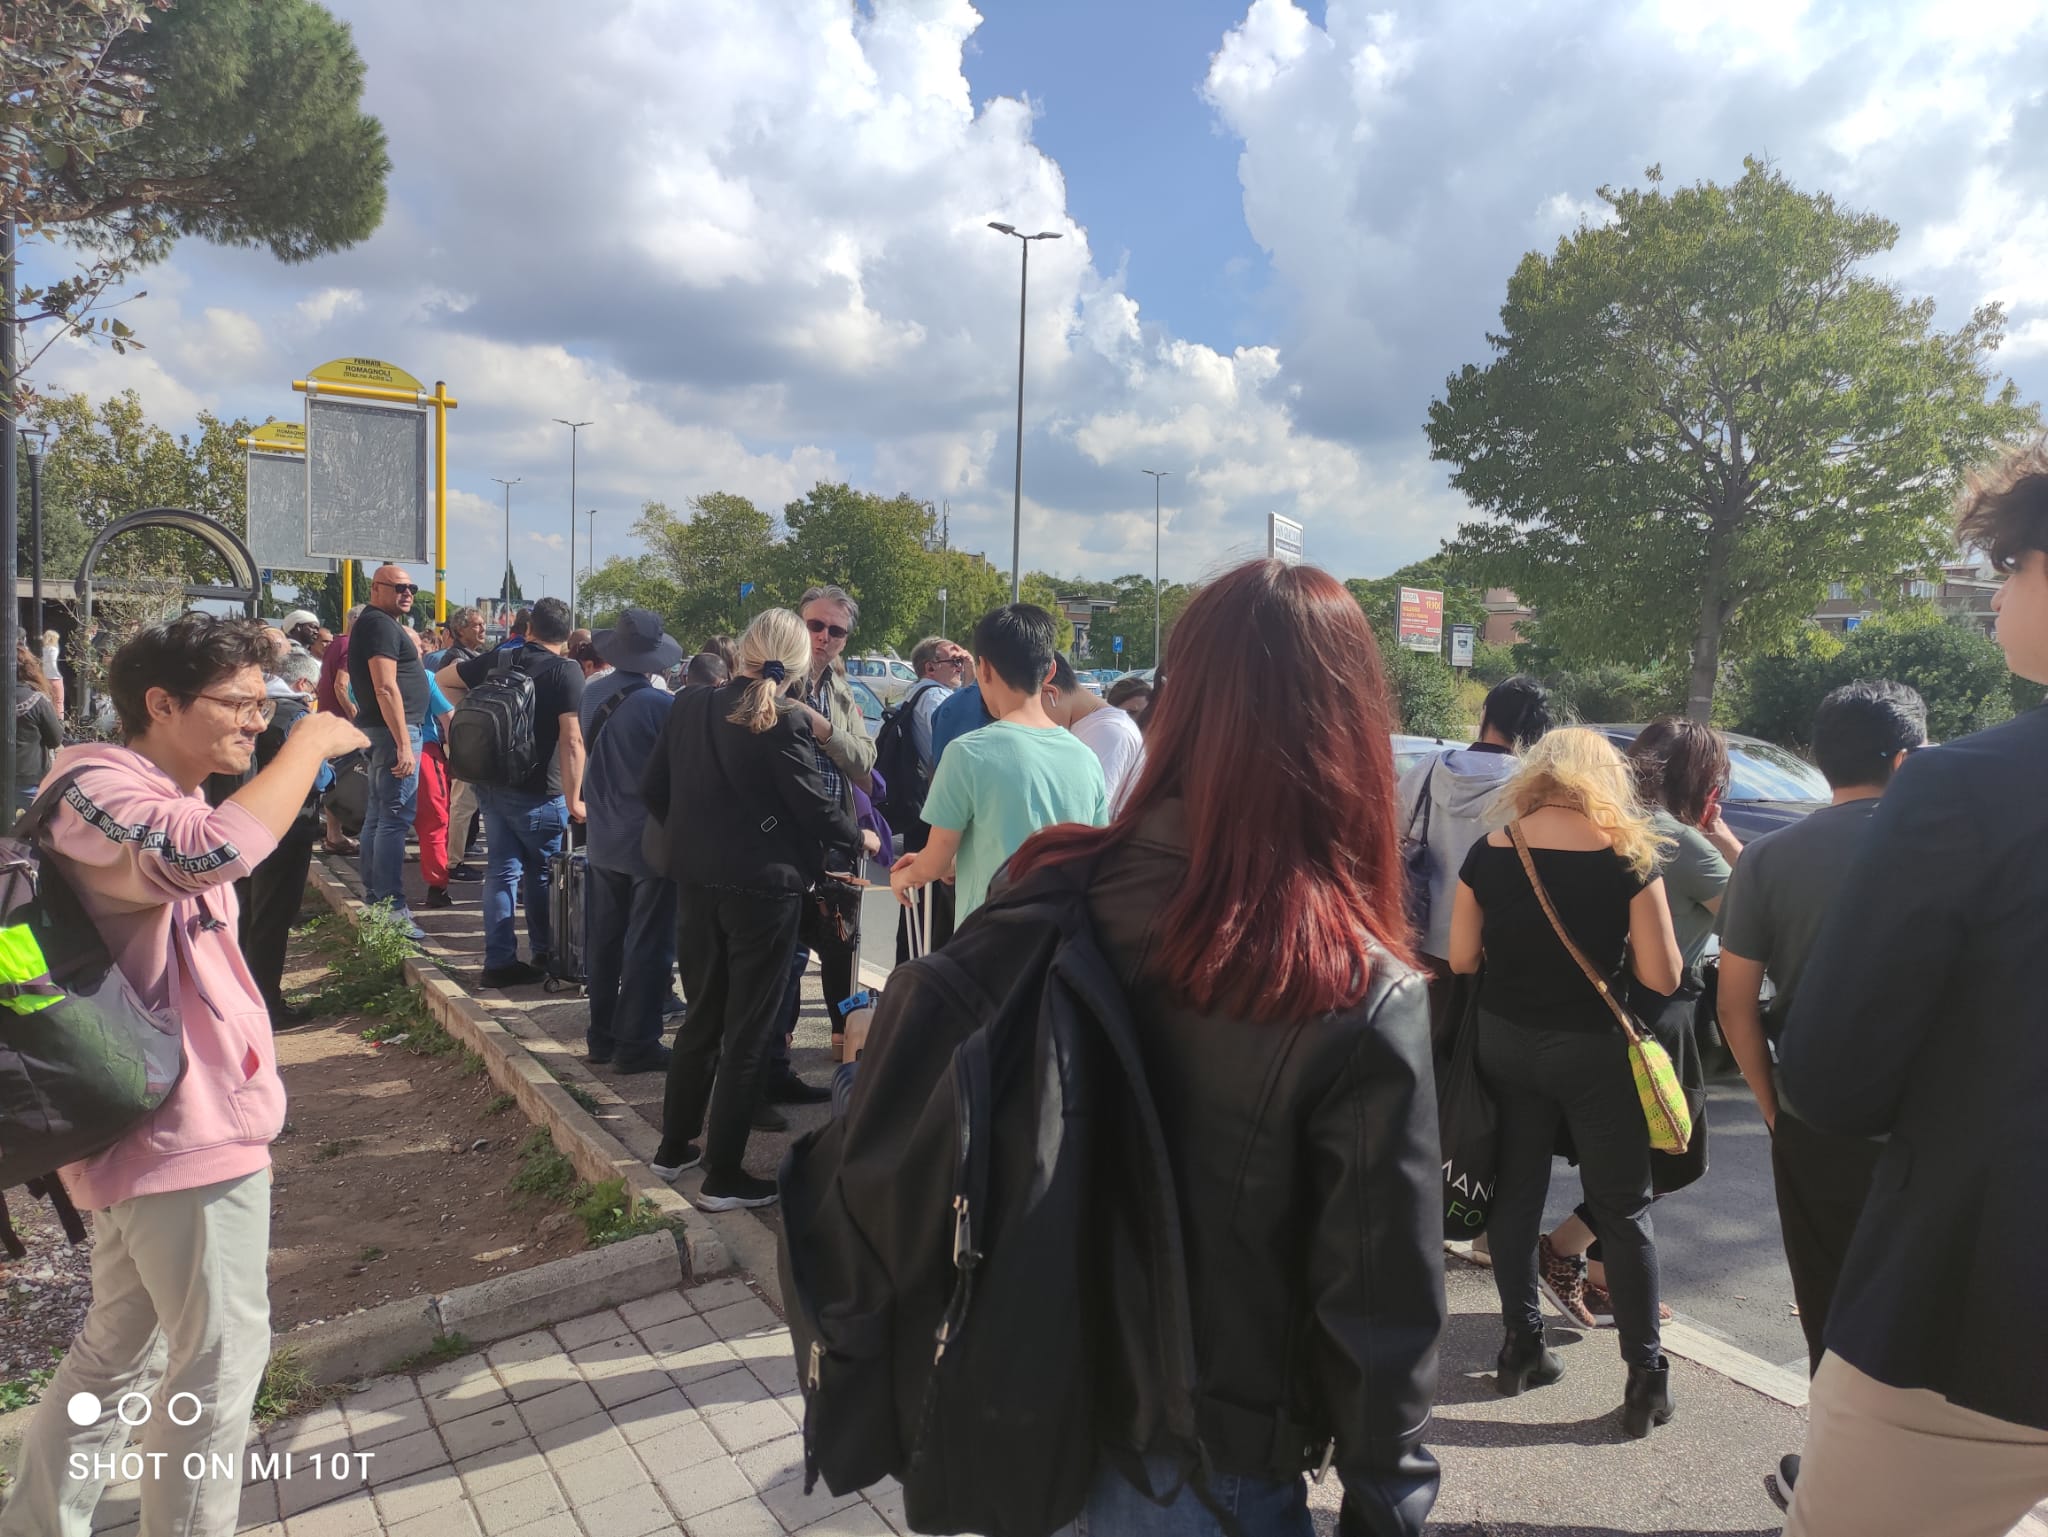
(441, 404)
(348, 589)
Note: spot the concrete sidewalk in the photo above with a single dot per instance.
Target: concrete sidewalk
(680, 1412)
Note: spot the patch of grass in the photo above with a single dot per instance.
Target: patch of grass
(471, 1064)
(399, 1018)
(370, 1254)
(336, 1149)
(543, 1170)
(582, 1096)
(446, 1347)
(500, 1104)
(288, 1389)
(366, 961)
(609, 1217)
(20, 1392)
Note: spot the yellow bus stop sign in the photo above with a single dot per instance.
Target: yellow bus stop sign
(279, 438)
(367, 371)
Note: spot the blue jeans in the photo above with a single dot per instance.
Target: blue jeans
(629, 934)
(525, 831)
(1264, 1507)
(387, 818)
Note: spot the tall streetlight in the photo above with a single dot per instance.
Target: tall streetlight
(1157, 476)
(1017, 501)
(593, 541)
(574, 428)
(34, 439)
(505, 583)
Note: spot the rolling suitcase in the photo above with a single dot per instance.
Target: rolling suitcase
(568, 874)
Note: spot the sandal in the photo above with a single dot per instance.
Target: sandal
(346, 846)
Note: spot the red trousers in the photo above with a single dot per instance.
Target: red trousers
(430, 824)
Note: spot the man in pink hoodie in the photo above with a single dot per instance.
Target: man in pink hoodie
(179, 1330)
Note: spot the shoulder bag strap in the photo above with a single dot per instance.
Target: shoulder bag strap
(610, 708)
(1424, 803)
(1621, 1017)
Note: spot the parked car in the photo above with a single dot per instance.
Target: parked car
(869, 701)
(1768, 786)
(890, 677)
(1411, 750)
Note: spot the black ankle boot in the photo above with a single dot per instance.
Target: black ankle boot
(1646, 1401)
(1525, 1362)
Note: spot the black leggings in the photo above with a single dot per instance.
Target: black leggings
(1539, 1078)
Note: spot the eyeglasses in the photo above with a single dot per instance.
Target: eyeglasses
(819, 627)
(261, 711)
(403, 589)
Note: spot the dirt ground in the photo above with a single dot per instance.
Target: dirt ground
(392, 1176)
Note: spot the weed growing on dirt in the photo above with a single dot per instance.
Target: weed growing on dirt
(20, 1392)
(543, 1170)
(472, 1064)
(366, 961)
(370, 1254)
(288, 1389)
(446, 1347)
(336, 1149)
(500, 1104)
(582, 1096)
(399, 1018)
(609, 1216)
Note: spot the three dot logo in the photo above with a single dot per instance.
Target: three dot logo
(86, 1409)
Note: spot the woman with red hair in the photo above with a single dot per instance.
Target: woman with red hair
(1249, 896)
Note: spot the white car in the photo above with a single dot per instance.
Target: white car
(888, 676)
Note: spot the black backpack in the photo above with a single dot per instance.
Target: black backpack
(82, 1060)
(953, 1251)
(896, 760)
(490, 734)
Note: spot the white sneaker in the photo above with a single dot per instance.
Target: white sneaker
(692, 1156)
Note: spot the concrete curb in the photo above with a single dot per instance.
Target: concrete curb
(377, 1339)
(534, 1068)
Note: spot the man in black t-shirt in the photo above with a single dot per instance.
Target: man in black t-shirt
(527, 822)
(390, 689)
(466, 638)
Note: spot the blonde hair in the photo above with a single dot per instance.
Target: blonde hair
(1582, 771)
(776, 635)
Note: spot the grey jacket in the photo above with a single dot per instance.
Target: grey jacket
(1461, 784)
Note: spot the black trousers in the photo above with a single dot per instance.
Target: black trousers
(1580, 1078)
(627, 924)
(271, 895)
(1822, 1183)
(735, 949)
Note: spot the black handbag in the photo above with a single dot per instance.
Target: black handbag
(1415, 860)
(1468, 1123)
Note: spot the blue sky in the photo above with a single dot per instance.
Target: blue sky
(747, 239)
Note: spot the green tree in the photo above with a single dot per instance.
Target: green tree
(1425, 690)
(134, 122)
(872, 547)
(694, 567)
(1956, 668)
(973, 587)
(1701, 412)
(328, 605)
(1132, 619)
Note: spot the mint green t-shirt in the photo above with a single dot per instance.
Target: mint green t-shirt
(999, 785)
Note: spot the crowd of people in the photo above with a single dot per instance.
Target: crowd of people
(1297, 976)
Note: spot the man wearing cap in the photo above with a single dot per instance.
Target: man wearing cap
(630, 912)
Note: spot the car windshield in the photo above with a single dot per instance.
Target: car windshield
(870, 704)
(902, 670)
(1758, 771)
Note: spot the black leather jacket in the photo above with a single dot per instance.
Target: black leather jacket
(1309, 1174)
(743, 810)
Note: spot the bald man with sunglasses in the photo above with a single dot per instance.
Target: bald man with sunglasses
(390, 687)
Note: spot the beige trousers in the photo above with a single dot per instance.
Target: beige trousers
(461, 804)
(179, 1330)
(1904, 1462)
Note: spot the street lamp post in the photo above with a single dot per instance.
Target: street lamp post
(1017, 498)
(592, 548)
(574, 428)
(505, 583)
(1157, 476)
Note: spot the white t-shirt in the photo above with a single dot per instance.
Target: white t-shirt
(1114, 738)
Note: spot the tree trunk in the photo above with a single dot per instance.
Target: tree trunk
(1706, 644)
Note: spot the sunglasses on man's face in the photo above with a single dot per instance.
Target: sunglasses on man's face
(403, 589)
(819, 627)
